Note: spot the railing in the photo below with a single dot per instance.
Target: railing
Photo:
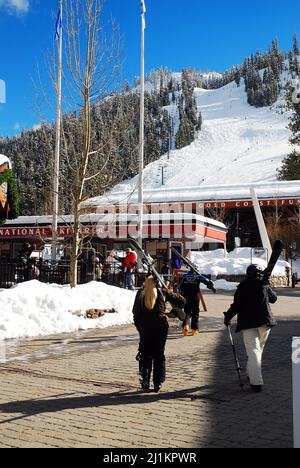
(15, 272)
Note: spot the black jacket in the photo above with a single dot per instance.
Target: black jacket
(156, 318)
(190, 284)
(251, 305)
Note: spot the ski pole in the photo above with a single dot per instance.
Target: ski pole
(238, 367)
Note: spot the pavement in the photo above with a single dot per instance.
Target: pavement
(81, 389)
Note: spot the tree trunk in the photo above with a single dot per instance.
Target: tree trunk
(75, 250)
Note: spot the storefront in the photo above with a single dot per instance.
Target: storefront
(105, 232)
(231, 205)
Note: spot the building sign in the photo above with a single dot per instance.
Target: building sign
(63, 231)
(25, 232)
(286, 202)
(259, 252)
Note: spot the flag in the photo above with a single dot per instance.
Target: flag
(58, 26)
(143, 7)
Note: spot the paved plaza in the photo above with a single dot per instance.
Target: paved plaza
(81, 389)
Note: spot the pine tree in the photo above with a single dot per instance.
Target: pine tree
(291, 61)
(237, 78)
(185, 134)
(295, 46)
(290, 169)
(200, 121)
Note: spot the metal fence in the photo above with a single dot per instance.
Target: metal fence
(15, 272)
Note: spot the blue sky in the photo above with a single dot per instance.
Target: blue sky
(191, 33)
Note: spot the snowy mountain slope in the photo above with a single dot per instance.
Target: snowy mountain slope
(237, 144)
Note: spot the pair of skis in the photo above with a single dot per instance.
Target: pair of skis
(277, 251)
(148, 263)
(192, 266)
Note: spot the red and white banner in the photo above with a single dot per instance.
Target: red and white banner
(103, 231)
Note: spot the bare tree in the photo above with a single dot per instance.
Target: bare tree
(92, 63)
(280, 226)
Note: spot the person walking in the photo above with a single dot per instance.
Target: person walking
(149, 314)
(189, 287)
(254, 319)
(130, 263)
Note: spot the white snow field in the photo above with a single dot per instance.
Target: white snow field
(33, 308)
(238, 144)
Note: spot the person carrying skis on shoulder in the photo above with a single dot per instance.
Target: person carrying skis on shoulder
(189, 287)
(149, 314)
(254, 318)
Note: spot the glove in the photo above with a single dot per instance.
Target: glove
(211, 286)
(226, 321)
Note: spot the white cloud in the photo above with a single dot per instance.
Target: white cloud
(15, 6)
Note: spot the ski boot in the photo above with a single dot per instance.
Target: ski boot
(145, 380)
(195, 332)
(186, 330)
(256, 388)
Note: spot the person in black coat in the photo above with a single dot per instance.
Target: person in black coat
(149, 314)
(189, 287)
(254, 318)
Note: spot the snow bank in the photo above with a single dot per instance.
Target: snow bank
(234, 263)
(225, 285)
(34, 308)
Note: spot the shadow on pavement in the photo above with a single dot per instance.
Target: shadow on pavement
(54, 404)
(248, 419)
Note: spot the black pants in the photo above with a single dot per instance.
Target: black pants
(152, 349)
(191, 309)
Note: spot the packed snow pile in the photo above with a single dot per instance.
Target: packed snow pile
(34, 308)
(223, 285)
(216, 263)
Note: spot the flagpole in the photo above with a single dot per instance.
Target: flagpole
(141, 137)
(57, 142)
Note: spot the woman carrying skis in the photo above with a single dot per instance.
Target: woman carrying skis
(254, 319)
(149, 313)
